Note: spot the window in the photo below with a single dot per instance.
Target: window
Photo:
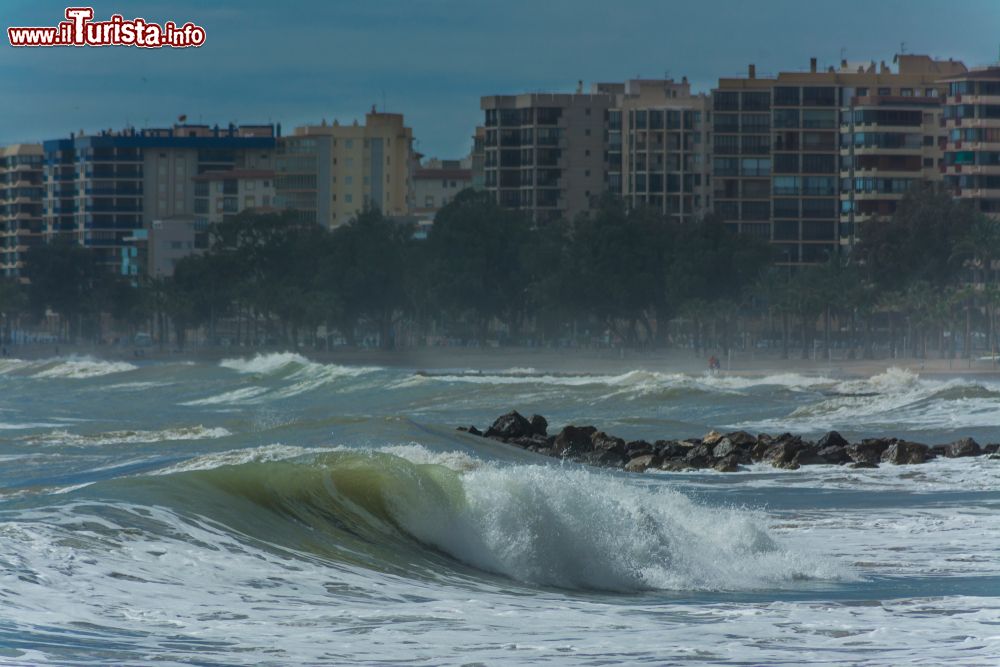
(249, 202)
(348, 198)
(786, 96)
(786, 163)
(348, 143)
(348, 180)
(786, 117)
(786, 208)
(786, 185)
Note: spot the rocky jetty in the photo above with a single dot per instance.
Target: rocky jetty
(724, 452)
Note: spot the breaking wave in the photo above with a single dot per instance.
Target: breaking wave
(538, 525)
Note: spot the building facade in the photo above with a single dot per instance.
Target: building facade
(545, 153)
(971, 121)
(658, 148)
(21, 187)
(330, 173)
(777, 153)
(219, 194)
(436, 182)
(101, 188)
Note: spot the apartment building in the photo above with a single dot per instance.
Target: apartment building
(658, 148)
(21, 188)
(436, 182)
(888, 143)
(101, 188)
(223, 193)
(331, 172)
(545, 153)
(776, 149)
(971, 121)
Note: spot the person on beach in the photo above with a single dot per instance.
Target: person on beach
(713, 364)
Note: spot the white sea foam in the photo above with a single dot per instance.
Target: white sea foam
(265, 364)
(578, 529)
(241, 395)
(82, 368)
(128, 437)
(891, 399)
(635, 382)
(301, 374)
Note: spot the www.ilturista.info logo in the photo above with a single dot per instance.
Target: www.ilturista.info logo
(79, 29)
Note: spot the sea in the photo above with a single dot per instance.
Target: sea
(274, 510)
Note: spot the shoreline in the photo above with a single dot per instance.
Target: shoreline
(542, 360)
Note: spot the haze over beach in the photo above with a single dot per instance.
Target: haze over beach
(455, 333)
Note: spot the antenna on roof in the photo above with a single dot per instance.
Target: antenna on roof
(902, 48)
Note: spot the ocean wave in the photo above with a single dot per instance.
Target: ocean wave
(241, 395)
(539, 525)
(302, 374)
(81, 368)
(890, 399)
(128, 437)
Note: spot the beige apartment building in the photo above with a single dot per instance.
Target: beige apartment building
(545, 153)
(972, 141)
(777, 164)
(436, 182)
(223, 193)
(21, 188)
(331, 172)
(659, 137)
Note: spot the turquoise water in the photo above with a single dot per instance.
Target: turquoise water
(274, 510)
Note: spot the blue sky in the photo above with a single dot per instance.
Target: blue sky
(298, 62)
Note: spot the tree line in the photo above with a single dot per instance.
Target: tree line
(920, 282)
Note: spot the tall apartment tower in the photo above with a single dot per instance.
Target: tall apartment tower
(544, 153)
(778, 164)
(660, 130)
(329, 173)
(102, 188)
(21, 188)
(971, 121)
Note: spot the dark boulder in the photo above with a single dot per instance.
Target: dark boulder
(699, 456)
(902, 452)
(671, 449)
(991, 448)
(808, 456)
(638, 448)
(608, 458)
(835, 454)
(868, 450)
(863, 464)
(676, 466)
(602, 442)
(574, 440)
(727, 464)
(781, 454)
(641, 463)
(727, 448)
(539, 425)
(832, 439)
(962, 448)
(533, 442)
(510, 425)
(741, 439)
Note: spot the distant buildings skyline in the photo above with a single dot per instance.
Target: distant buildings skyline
(802, 158)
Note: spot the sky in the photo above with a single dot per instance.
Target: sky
(298, 62)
